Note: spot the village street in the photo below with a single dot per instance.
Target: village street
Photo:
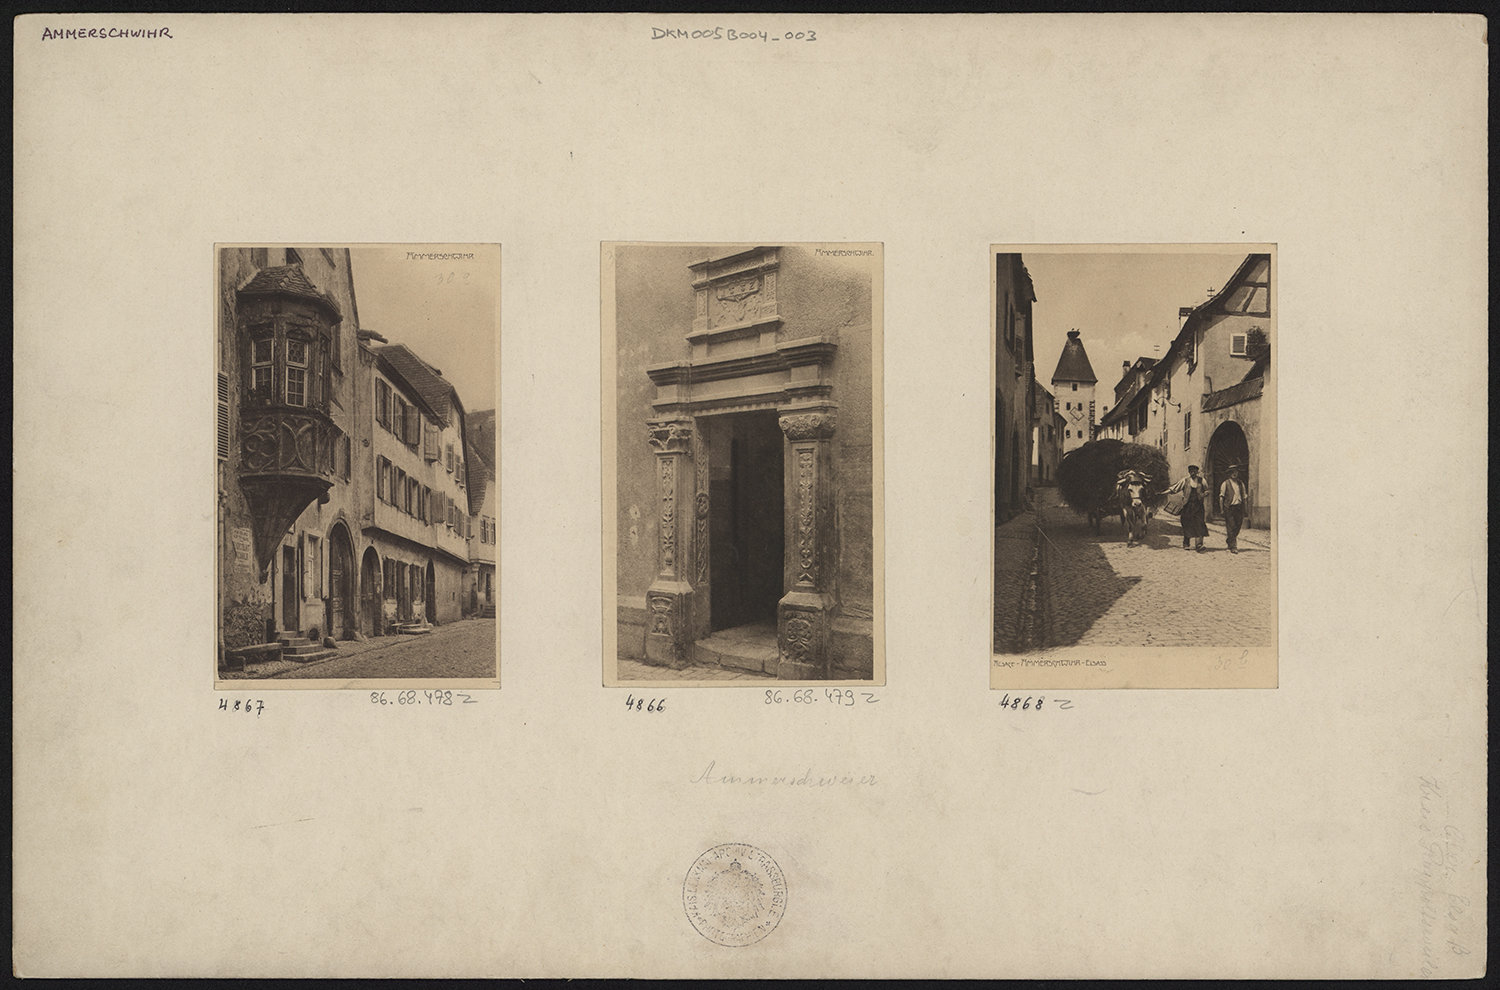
(1059, 584)
(453, 649)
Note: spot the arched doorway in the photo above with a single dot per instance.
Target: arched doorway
(1227, 446)
(369, 588)
(341, 603)
(431, 593)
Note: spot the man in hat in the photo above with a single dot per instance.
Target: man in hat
(1232, 502)
(1193, 527)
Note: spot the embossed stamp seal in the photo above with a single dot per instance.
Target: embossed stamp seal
(734, 894)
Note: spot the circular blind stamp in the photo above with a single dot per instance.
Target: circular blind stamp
(734, 894)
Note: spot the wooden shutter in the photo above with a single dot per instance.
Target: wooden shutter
(430, 443)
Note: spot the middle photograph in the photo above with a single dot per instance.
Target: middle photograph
(743, 532)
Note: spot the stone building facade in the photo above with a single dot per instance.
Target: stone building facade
(484, 520)
(416, 514)
(746, 433)
(287, 422)
(1207, 393)
(1014, 381)
(341, 505)
(1047, 426)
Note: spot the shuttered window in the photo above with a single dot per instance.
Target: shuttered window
(383, 403)
(431, 443)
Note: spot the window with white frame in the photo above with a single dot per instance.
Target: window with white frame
(1237, 344)
(296, 372)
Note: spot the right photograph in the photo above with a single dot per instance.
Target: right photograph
(1134, 446)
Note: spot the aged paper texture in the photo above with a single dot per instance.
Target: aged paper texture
(1333, 826)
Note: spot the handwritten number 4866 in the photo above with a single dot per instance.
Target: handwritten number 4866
(632, 703)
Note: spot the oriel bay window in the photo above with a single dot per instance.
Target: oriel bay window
(287, 455)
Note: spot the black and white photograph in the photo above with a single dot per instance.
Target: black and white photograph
(1135, 466)
(356, 440)
(742, 463)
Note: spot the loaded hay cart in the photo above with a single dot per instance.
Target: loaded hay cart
(1089, 478)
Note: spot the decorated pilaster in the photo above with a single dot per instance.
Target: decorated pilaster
(805, 612)
(669, 606)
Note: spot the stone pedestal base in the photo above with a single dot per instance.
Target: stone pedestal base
(669, 606)
(802, 631)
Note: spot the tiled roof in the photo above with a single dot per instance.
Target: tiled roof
(1234, 394)
(481, 430)
(432, 388)
(480, 475)
(288, 280)
(1074, 365)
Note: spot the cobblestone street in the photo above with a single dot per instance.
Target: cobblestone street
(455, 649)
(1093, 590)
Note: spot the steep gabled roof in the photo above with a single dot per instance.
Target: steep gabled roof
(424, 380)
(1073, 365)
(1201, 312)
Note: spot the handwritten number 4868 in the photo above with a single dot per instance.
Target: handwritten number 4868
(1030, 703)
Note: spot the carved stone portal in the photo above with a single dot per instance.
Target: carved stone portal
(669, 601)
(805, 613)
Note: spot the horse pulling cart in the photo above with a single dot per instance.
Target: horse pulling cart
(1094, 480)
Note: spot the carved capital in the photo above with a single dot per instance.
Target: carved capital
(809, 426)
(670, 438)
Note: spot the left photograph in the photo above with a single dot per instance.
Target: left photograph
(357, 461)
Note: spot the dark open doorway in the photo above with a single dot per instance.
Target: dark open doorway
(431, 592)
(746, 519)
(1227, 446)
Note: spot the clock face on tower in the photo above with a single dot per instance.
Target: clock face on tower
(1077, 413)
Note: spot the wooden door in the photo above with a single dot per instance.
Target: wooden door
(290, 592)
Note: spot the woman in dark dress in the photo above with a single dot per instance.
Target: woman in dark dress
(1193, 525)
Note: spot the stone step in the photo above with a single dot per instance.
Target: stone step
(746, 648)
(294, 641)
(318, 654)
(306, 648)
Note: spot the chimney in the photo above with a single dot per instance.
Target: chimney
(1125, 370)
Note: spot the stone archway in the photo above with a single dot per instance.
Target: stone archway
(1227, 446)
(342, 604)
(370, 596)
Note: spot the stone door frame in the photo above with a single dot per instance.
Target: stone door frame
(738, 364)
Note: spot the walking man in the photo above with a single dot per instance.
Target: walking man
(1196, 487)
(1232, 501)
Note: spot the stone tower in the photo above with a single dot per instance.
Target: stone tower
(1073, 383)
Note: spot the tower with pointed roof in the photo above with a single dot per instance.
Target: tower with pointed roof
(1073, 384)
